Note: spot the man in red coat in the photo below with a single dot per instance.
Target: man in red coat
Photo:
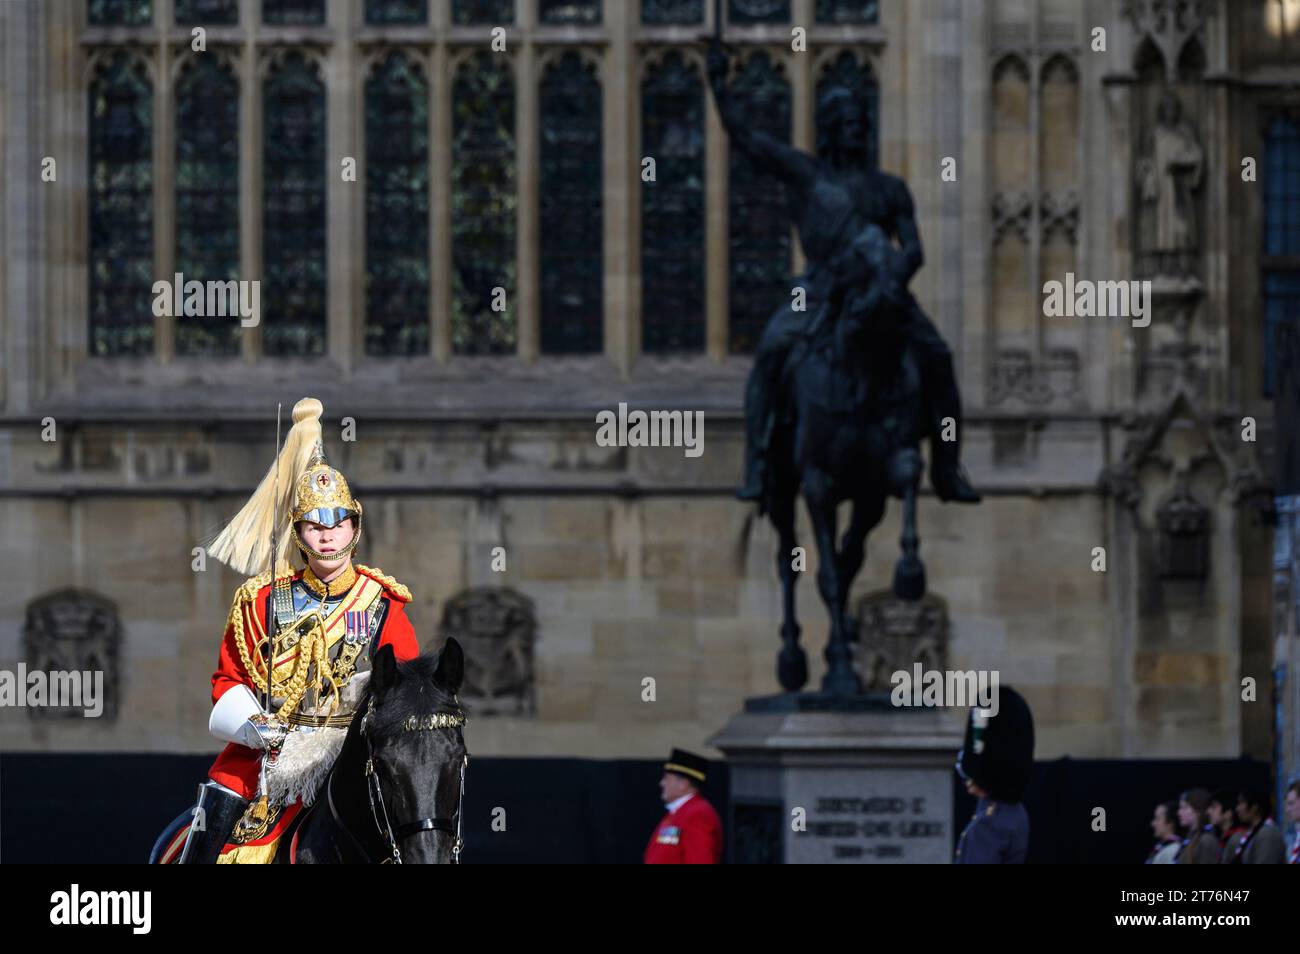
(691, 833)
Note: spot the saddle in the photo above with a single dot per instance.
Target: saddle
(866, 392)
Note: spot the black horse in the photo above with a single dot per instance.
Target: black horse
(852, 423)
(395, 791)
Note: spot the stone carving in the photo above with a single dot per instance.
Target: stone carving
(1184, 525)
(1011, 212)
(1060, 212)
(1017, 374)
(1170, 172)
(894, 634)
(1169, 23)
(497, 627)
(73, 630)
(1145, 448)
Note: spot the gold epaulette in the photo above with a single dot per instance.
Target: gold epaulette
(247, 591)
(390, 584)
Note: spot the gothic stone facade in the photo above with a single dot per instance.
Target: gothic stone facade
(628, 563)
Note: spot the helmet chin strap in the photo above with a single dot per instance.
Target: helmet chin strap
(346, 552)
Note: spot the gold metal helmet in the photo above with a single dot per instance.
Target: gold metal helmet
(321, 495)
(299, 485)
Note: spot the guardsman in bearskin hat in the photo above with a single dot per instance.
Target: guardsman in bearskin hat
(327, 619)
(995, 762)
(691, 832)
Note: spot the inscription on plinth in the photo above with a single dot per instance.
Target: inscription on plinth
(873, 815)
(810, 785)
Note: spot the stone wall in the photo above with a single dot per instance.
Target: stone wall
(638, 562)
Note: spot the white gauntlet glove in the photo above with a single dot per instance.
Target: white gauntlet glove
(238, 718)
(265, 732)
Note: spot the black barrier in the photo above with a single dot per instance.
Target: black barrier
(1064, 795)
(98, 808)
(91, 808)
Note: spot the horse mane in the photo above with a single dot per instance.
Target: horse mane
(416, 692)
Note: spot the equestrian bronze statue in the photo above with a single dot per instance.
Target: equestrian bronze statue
(844, 388)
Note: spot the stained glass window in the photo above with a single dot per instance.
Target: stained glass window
(572, 270)
(1282, 187)
(483, 11)
(121, 208)
(483, 202)
(119, 12)
(397, 11)
(293, 12)
(758, 11)
(860, 81)
(207, 199)
(293, 229)
(672, 208)
(397, 209)
(759, 223)
(583, 12)
(1281, 307)
(672, 11)
(1281, 280)
(207, 12)
(848, 11)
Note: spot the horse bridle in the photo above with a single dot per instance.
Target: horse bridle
(378, 809)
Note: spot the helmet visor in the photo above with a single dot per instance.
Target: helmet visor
(327, 516)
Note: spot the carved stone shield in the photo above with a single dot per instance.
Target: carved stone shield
(73, 630)
(497, 627)
(894, 634)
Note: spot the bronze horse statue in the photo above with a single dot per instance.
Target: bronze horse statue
(849, 429)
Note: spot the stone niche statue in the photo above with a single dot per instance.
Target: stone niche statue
(1169, 173)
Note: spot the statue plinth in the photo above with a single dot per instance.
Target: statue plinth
(820, 702)
(824, 779)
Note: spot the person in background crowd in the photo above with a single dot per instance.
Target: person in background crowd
(1292, 806)
(1201, 845)
(1222, 816)
(691, 832)
(1262, 844)
(1164, 825)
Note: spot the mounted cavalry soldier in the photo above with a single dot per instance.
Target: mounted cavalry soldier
(328, 620)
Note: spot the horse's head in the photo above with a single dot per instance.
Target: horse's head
(413, 730)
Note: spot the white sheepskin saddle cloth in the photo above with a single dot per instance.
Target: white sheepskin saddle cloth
(308, 753)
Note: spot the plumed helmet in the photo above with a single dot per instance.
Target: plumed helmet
(322, 495)
(998, 752)
(299, 485)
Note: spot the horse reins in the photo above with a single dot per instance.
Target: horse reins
(379, 810)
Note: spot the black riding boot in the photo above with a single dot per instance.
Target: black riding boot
(755, 473)
(946, 472)
(757, 412)
(221, 808)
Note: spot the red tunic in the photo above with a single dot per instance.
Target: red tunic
(692, 835)
(237, 767)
